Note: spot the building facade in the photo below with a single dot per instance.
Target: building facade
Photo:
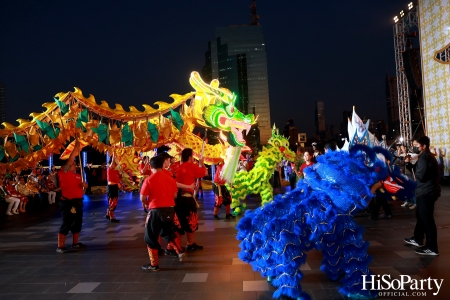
(321, 127)
(237, 57)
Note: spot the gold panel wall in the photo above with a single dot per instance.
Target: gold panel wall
(434, 23)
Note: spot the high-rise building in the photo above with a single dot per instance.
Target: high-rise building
(2, 102)
(392, 108)
(237, 57)
(321, 127)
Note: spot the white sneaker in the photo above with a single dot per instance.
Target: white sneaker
(413, 206)
(9, 213)
(404, 204)
(16, 212)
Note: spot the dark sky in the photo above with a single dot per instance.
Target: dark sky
(134, 52)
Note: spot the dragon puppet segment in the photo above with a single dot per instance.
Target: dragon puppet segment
(70, 116)
(214, 108)
(257, 180)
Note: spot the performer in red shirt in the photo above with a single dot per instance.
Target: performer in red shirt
(145, 170)
(158, 192)
(71, 202)
(173, 168)
(185, 204)
(221, 195)
(112, 190)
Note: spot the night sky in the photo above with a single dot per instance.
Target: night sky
(134, 52)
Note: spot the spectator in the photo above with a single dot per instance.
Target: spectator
(12, 191)
(330, 146)
(51, 189)
(89, 178)
(309, 161)
(13, 202)
(427, 193)
(409, 172)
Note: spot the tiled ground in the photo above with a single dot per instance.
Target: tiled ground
(111, 266)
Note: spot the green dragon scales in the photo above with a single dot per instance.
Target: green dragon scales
(257, 180)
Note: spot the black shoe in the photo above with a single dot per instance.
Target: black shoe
(114, 220)
(413, 242)
(384, 216)
(426, 251)
(193, 247)
(78, 246)
(171, 253)
(62, 250)
(230, 216)
(149, 267)
(161, 252)
(107, 217)
(216, 217)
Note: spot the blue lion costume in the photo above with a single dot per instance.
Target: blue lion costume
(318, 214)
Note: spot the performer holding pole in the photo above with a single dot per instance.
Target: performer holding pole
(185, 204)
(71, 202)
(221, 195)
(145, 171)
(112, 189)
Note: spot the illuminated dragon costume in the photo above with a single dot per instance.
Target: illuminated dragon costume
(257, 180)
(318, 214)
(72, 116)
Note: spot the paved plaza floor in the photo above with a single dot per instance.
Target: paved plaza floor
(110, 268)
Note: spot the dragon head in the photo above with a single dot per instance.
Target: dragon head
(213, 107)
(280, 142)
(227, 118)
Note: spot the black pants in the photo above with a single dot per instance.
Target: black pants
(160, 223)
(425, 225)
(292, 180)
(377, 204)
(72, 215)
(186, 210)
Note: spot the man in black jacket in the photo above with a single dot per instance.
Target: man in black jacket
(427, 192)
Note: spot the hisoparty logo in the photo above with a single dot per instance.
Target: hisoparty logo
(405, 286)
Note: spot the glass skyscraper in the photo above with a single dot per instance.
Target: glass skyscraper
(237, 57)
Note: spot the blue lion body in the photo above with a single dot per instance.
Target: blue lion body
(318, 214)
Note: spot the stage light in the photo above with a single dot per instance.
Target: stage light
(401, 139)
(410, 5)
(395, 19)
(402, 14)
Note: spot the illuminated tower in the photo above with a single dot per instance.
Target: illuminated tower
(237, 57)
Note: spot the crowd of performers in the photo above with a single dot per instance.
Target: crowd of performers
(318, 213)
(168, 189)
(167, 196)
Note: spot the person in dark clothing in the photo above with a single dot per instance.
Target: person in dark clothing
(378, 202)
(427, 192)
(89, 178)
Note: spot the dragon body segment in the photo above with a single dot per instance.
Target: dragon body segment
(256, 181)
(72, 116)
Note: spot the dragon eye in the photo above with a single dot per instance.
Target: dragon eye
(230, 109)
